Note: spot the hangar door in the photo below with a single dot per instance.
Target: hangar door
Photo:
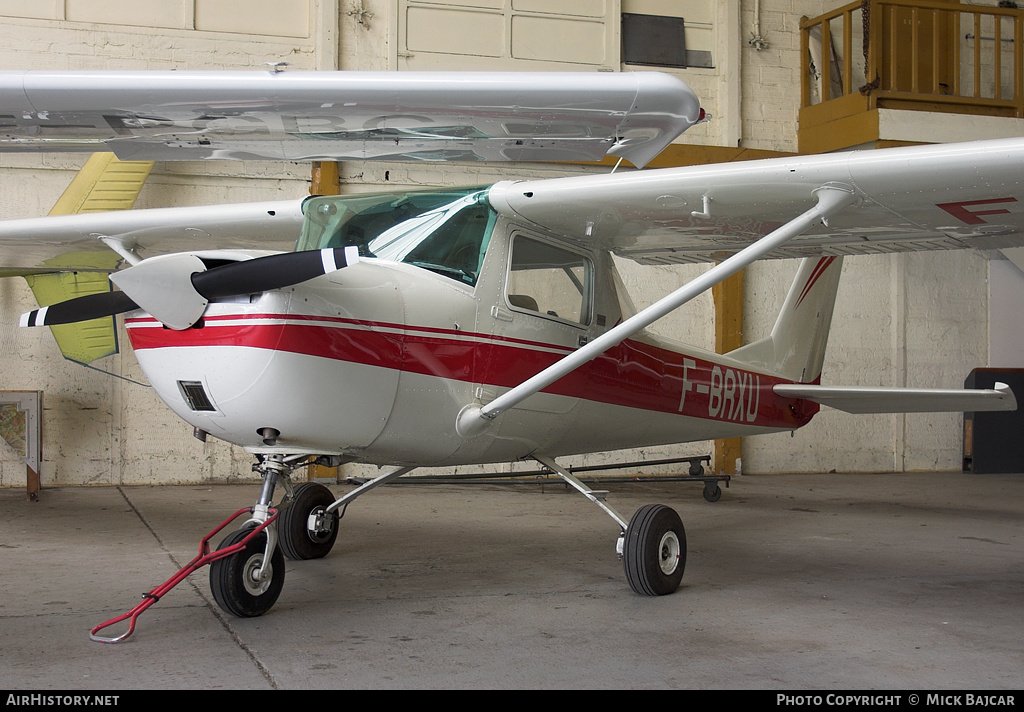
(507, 34)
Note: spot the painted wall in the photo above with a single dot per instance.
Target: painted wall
(917, 320)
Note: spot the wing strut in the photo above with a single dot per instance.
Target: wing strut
(831, 198)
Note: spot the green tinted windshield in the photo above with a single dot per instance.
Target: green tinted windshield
(445, 232)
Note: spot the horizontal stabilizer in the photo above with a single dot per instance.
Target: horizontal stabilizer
(854, 399)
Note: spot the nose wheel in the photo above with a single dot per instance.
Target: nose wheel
(241, 584)
(245, 583)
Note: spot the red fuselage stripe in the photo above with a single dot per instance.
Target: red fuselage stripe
(632, 374)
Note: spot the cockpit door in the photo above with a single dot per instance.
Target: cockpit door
(542, 311)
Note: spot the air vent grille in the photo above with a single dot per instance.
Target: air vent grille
(195, 395)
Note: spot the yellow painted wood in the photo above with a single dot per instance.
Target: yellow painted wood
(917, 61)
(728, 300)
(325, 179)
(828, 112)
(845, 132)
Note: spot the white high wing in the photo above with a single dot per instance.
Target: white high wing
(476, 325)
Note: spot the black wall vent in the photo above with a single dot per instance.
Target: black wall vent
(653, 40)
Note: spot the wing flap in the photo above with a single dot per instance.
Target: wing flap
(854, 399)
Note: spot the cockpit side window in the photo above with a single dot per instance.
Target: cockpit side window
(550, 281)
(445, 232)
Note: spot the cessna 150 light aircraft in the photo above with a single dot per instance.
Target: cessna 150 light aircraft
(478, 325)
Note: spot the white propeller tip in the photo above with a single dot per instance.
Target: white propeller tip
(36, 317)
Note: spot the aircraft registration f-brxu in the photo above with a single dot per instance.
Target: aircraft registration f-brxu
(496, 310)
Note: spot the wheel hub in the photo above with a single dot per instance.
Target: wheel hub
(319, 525)
(669, 551)
(251, 575)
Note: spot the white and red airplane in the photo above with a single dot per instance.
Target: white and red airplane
(480, 325)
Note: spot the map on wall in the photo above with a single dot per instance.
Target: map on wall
(12, 427)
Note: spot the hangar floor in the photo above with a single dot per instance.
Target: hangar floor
(793, 582)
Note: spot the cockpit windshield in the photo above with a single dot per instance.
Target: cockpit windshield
(445, 232)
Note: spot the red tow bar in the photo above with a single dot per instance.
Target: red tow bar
(204, 557)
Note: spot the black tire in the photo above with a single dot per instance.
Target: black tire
(654, 554)
(294, 536)
(713, 494)
(231, 578)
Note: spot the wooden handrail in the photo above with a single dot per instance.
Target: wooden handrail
(936, 81)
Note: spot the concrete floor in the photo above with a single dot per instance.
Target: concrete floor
(793, 582)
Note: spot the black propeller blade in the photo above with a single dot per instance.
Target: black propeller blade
(265, 273)
(245, 277)
(91, 306)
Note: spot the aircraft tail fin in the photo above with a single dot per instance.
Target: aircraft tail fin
(796, 346)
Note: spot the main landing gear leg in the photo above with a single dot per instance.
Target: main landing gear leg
(652, 545)
(308, 525)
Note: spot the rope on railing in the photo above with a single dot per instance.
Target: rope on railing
(865, 14)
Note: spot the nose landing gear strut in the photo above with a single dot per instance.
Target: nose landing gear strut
(247, 569)
(204, 557)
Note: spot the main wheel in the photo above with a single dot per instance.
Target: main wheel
(304, 529)
(654, 554)
(234, 579)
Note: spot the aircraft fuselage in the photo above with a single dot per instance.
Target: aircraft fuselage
(376, 361)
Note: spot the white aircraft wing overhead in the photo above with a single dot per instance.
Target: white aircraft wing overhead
(302, 116)
(84, 241)
(947, 196)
